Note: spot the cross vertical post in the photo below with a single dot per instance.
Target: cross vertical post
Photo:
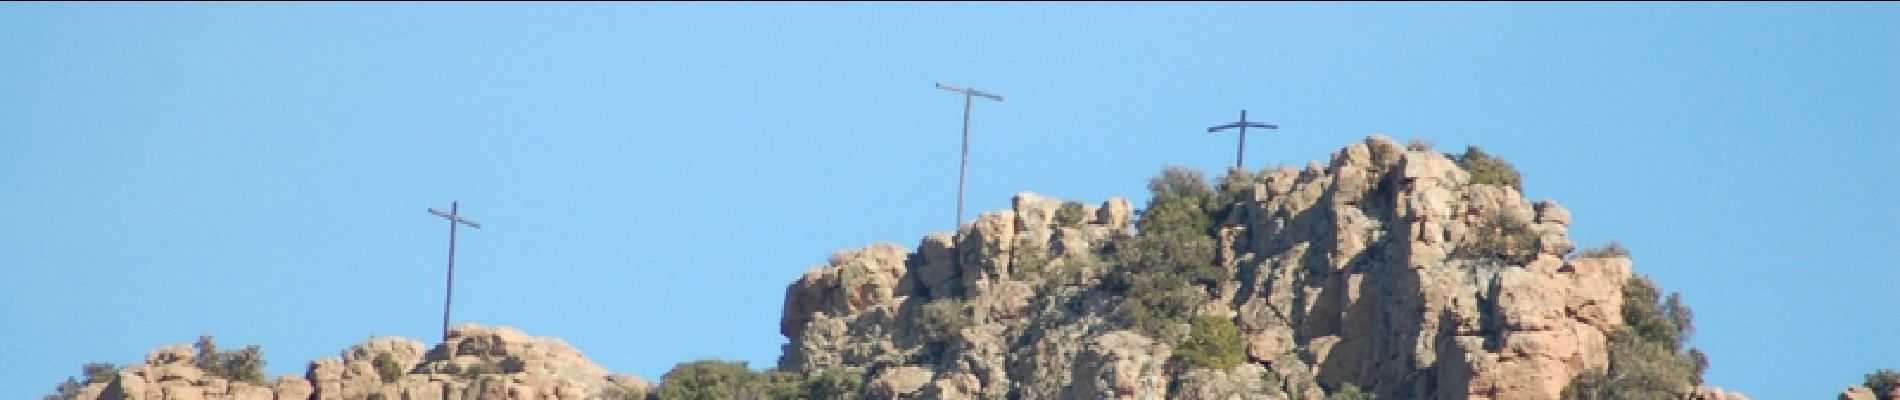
(455, 218)
(963, 172)
(1243, 124)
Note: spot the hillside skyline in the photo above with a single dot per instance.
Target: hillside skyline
(650, 176)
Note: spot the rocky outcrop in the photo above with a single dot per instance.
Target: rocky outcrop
(1386, 268)
(476, 362)
(1858, 392)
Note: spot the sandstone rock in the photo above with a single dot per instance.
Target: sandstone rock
(1116, 213)
(936, 266)
(898, 382)
(1858, 393)
(1705, 392)
(523, 367)
(1355, 271)
(291, 387)
(1549, 212)
(1035, 212)
(179, 354)
(1122, 365)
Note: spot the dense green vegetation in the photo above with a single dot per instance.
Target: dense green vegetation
(1166, 269)
(387, 367)
(1213, 342)
(722, 380)
(1647, 355)
(1486, 169)
(246, 365)
(1883, 382)
(1072, 214)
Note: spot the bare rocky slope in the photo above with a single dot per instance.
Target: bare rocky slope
(1387, 271)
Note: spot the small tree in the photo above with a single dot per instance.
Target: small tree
(97, 372)
(1163, 277)
(1486, 169)
(246, 365)
(1179, 205)
(67, 390)
(1647, 359)
(387, 367)
(941, 319)
(1213, 342)
(1883, 382)
(209, 359)
(100, 372)
(834, 384)
(1071, 215)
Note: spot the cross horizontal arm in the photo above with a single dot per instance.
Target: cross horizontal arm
(457, 218)
(968, 91)
(1219, 128)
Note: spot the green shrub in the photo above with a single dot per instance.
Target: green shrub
(1213, 342)
(716, 379)
(1179, 205)
(615, 392)
(1613, 249)
(67, 390)
(1028, 262)
(1883, 382)
(1163, 279)
(245, 365)
(1486, 169)
(99, 372)
(941, 319)
(1071, 215)
(774, 384)
(1647, 359)
(96, 372)
(834, 384)
(387, 367)
(706, 380)
(1419, 144)
(1500, 238)
(1165, 270)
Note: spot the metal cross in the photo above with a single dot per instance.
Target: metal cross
(1243, 124)
(968, 95)
(455, 218)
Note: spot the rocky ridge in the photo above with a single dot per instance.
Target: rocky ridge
(476, 362)
(1386, 268)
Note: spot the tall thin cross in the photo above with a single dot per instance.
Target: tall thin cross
(1243, 124)
(963, 172)
(455, 218)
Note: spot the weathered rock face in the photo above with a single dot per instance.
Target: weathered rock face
(1386, 268)
(475, 363)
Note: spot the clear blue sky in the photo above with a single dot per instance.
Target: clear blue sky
(651, 176)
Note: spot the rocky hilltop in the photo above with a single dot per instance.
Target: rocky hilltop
(1387, 271)
(1392, 271)
(476, 362)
